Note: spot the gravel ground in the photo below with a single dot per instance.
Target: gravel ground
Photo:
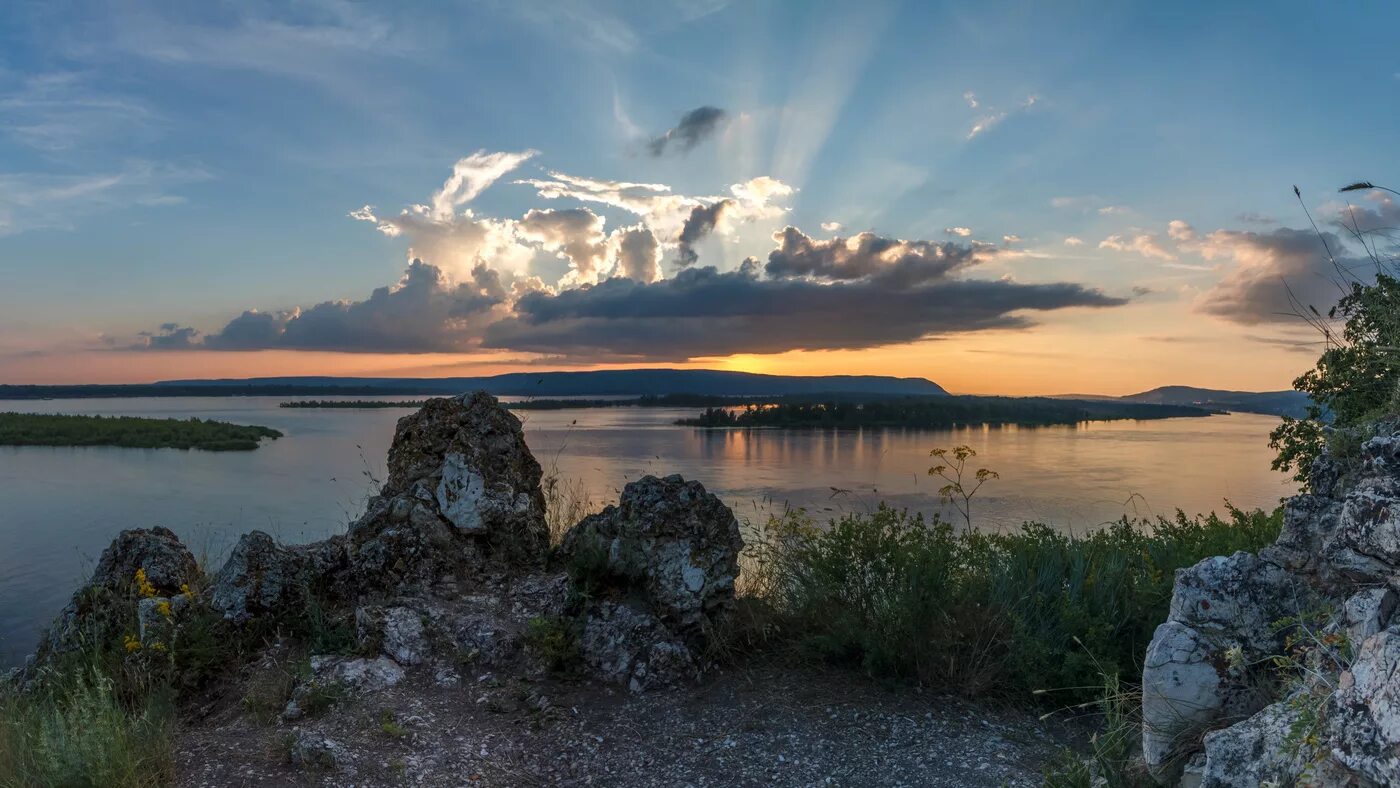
(768, 726)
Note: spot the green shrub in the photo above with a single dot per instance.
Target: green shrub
(555, 643)
(1015, 613)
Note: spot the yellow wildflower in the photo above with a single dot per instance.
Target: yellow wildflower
(143, 584)
(163, 607)
(156, 645)
(132, 643)
(185, 591)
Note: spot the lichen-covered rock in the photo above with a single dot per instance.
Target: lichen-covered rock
(1363, 717)
(1205, 662)
(463, 496)
(1330, 581)
(625, 645)
(396, 631)
(678, 544)
(1248, 755)
(359, 674)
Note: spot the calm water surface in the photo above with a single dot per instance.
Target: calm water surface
(60, 506)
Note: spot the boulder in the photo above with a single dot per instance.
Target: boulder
(463, 497)
(670, 540)
(109, 604)
(263, 578)
(1248, 755)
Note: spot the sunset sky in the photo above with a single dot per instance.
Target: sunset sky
(1008, 198)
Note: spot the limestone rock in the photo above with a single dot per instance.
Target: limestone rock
(463, 496)
(1250, 754)
(624, 645)
(673, 540)
(1363, 718)
(166, 561)
(359, 674)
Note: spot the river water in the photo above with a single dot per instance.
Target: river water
(59, 507)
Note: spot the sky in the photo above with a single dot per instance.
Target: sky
(1003, 197)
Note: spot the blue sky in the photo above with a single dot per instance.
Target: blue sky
(181, 163)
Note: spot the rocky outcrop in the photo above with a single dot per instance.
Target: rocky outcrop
(449, 566)
(262, 578)
(139, 569)
(1286, 666)
(663, 563)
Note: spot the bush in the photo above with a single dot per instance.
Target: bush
(1010, 613)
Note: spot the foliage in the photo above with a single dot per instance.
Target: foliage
(81, 732)
(1112, 760)
(1008, 613)
(1355, 382)
(47, 429)
(934, 412)
(555, 642)
(955, 491)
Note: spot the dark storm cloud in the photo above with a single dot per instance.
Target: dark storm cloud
(693, 128)
(701, 222)
(422, 313)
(868, 255)
(1276, 274)
(703, 312)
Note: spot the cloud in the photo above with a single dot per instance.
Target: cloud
(424, 312)
(1180, 231)
(1146, 244)
(1110, 210)
(993, 117)
(33, 201)
(868, 256)
(702, 312)
(475, 286)
(1383, 217)
(694, 127)
(831, 227)
(576, 233)
(1266, 267)
(171, 336)
(703, 219)
(1010, 239)
(59, 111)
(472, 175)
(962, 232)
(636, 254)
(1250, 217)
(1072, 240)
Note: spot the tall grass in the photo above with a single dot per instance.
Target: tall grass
(79, 732)
(1007, 613)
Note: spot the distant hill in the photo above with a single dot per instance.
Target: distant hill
(1274, 403)
(623, 382)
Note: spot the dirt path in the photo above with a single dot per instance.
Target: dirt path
(762, 726)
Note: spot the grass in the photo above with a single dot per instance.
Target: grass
(1007, 614)
(80, 732)
(48, 429)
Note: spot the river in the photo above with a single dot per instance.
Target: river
(59, 507)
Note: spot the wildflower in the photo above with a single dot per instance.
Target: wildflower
(143, 584)
(132, 643)
(1234, 656)
(185, 591)
(163, 607)
(156, 645)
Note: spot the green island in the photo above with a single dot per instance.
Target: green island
(934, 413)
(52, 429)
